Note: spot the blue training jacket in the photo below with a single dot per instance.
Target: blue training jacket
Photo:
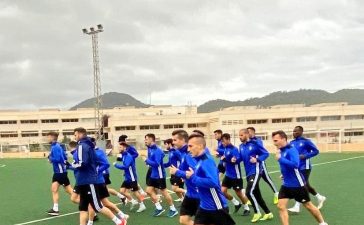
(132, 151)
(188, 162)
(58, 158)
(174, 158)
(102, 165)
(206, 179)
(155, 160)
(252, 149)
(308, 149)
(258, 140)
(289, 163)
(233, 170)
(128, 166)
(74, 156)
(86, 162)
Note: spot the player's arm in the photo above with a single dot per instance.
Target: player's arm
(211, 176)
(313, 150)
(293, 160)
(262, 153)
(154, 161)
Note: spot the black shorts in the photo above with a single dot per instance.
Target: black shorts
(107, 179)
(147, 177)
(216, 217)
(236, 184)
(189, 206)
(299, 194)
(221, 167)
(103, 192)
(160, 184)
(61, 178)
(76, 190)
(177, 181)
(130, 185)
(89, 195)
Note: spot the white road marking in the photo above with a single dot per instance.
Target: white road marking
(272, 172)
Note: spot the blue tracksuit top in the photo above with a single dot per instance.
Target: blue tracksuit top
(128, 167)
(132, 151)
(289, 163)
(252, 149)
(174, 158)
(233, 170)
(102, 165)
(74, 156)
(206, 179)
(57, 158)
(308, 149)
(258, 140)
(86, 162)
(155, 160)
(188, 162)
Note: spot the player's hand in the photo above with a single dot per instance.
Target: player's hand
(222, 157)
(281, 176)
(173, 170)
(114, 163)
(189, 173)
(253, 160)
(233, 159)
(144, 157)
(302, 157)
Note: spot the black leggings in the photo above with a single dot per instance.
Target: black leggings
(306, 174)
(254, 195)
(268, 179)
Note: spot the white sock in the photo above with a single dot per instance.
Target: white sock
(323, 223)
(55, 207)
(172, 208)
(234, 201)
(116, 220)
(243, 191)
(141, 204)
(134, 202)
(90, 222)
(121, 215)
(297, 205)
(318, 196)
(246, 207)
(120, 195)
(158, 206)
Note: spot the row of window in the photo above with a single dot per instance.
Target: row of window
(157, 126)
(298, 119)
(41, 121)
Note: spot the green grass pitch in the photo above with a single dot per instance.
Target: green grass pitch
(25, 193)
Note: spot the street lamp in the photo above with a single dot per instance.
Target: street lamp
(97, 84)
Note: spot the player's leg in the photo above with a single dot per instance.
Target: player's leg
(114, 208)
(283, 212)
(315, 212)
(139, 196)
(55, 197)
(258, 195)
(250, 190)
(172, 209)
(238, 187)
(320, 198)
(266, 177)
(225, 186)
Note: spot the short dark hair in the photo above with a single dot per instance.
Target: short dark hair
(300, 128)
(123, 138)
(152, 136)
(53, 134)
(72, 144)
(218, 131)
(80, 130)
(168, 141)
(251, 128)
(281, 133)
(199, 132)
(93, 140)
(123, 144)
(196, 135)
(226, 136)
(182, 134)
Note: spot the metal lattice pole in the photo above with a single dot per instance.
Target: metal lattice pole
(97, 83)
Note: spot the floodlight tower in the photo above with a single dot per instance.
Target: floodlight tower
(97, 84)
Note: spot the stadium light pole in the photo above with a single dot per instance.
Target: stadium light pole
(97, 84)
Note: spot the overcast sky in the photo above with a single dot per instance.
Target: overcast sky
(177, 50)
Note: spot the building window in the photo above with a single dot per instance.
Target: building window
(330, 118)
(69, 120)
(8, 134)
(353, 133)
(173, 126)
(45, 132)
(50, 121)
(29, 134)
(282, 120)
(8, 122)
(119, 128)
(354, 117)
(196, 125)
(232, 122)
(28, 121)
(68, 133)
(306, 119)
(257, 121)
(149, 127)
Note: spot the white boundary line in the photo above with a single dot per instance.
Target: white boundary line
(272, 172)
(2, 165)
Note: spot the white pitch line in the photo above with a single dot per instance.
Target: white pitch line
(276, 171)
(2, 165)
